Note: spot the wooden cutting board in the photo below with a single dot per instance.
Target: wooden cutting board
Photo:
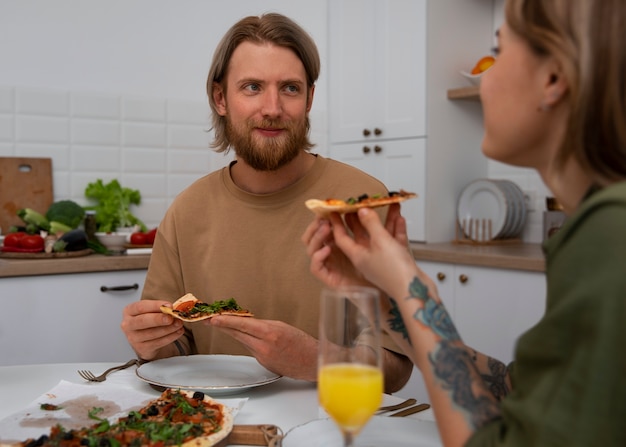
(24, 183)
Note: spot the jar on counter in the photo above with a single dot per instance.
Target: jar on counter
(90, 225)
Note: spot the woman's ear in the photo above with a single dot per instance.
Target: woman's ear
(219, 97)
(556, 86)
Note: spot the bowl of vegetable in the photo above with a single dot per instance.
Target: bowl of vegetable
(114, 242)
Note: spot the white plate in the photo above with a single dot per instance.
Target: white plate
(482, 200)
(212, 374)
(381, 431)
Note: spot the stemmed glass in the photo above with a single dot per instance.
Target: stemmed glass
(350, 378)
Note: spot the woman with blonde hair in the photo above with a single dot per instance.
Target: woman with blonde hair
(555, 100)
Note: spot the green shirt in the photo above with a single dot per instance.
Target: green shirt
(569, 374)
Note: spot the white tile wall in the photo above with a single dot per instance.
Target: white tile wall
(156, 145)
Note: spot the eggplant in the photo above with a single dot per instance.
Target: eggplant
(73, 240)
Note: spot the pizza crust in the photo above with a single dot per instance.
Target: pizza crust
(323, 208)
(190, 297)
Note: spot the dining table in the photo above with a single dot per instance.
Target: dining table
(285, 403)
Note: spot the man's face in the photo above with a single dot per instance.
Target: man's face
(265, 105)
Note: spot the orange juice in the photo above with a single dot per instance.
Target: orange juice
(350, 393)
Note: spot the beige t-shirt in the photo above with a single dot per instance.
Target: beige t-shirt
(218, 241)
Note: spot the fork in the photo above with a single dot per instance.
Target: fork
(89, 376)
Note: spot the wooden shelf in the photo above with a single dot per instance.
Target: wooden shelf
(470, 93)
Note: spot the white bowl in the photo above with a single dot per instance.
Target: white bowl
(114, 242)
(473, 78)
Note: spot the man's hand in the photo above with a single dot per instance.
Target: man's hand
(147, 329)
(277, 346)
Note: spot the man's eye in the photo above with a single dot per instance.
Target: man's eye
(252, 87)
(292, 88)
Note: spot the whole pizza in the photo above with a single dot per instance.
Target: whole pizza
(177, 417)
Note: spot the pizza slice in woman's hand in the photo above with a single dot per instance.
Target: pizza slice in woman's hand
(325, 207)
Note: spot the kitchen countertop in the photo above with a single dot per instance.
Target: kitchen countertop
(81, 264)
(517, 256)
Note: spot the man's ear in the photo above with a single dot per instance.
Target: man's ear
(309, 100)
(556, 86)
(219, 97)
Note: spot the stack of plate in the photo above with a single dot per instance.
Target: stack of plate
(491, 209)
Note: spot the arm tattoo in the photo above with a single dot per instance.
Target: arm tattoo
(433, 314)
(452, 364)
(496, 381)
(396, 323)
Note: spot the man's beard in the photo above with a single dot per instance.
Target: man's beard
(266, 153)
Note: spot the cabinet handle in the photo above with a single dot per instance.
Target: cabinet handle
(441, 276)
(378, 149)
(366, 132)
(118, 288)
(463, 279)
(366, 149)
(378, 131)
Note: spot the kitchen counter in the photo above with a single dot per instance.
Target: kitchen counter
(516, 256)
(82, 264)
(527, 257)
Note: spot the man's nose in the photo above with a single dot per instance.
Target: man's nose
(272, 105)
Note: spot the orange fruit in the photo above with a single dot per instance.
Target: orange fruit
(483, 64)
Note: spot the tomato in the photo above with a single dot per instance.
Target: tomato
(32, 242)
(151, 236)
(139, 238)
(185, 306)
(13, 239)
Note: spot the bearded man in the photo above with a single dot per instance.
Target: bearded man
(236, 232)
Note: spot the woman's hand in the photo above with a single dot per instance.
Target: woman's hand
(328, 263)
(380, 253)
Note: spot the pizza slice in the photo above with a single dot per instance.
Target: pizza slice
(176, 418)
(325, 207)
(190, 309)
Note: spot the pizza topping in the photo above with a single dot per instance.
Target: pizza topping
(216, 307)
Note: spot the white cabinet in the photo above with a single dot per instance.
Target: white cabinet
(390, 64)
(397, 163)
(376, 69)
(66, 318)
(378, 94)
(490, 308)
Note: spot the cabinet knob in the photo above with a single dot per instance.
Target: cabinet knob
(366, 132)
(366, 149)
(378, 131)
(104, 289)
(378, 149)
(463, 279)
(441, 276)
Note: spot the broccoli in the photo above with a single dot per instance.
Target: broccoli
(66, 212)
(33, 219)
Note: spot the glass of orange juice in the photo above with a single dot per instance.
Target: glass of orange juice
(350, 378)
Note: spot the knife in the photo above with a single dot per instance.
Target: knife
(409, 411)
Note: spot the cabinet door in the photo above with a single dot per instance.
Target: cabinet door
(495, 306)
(377, 68)
(66, 318)
(399, 164)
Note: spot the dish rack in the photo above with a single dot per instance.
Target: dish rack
(479, 232)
